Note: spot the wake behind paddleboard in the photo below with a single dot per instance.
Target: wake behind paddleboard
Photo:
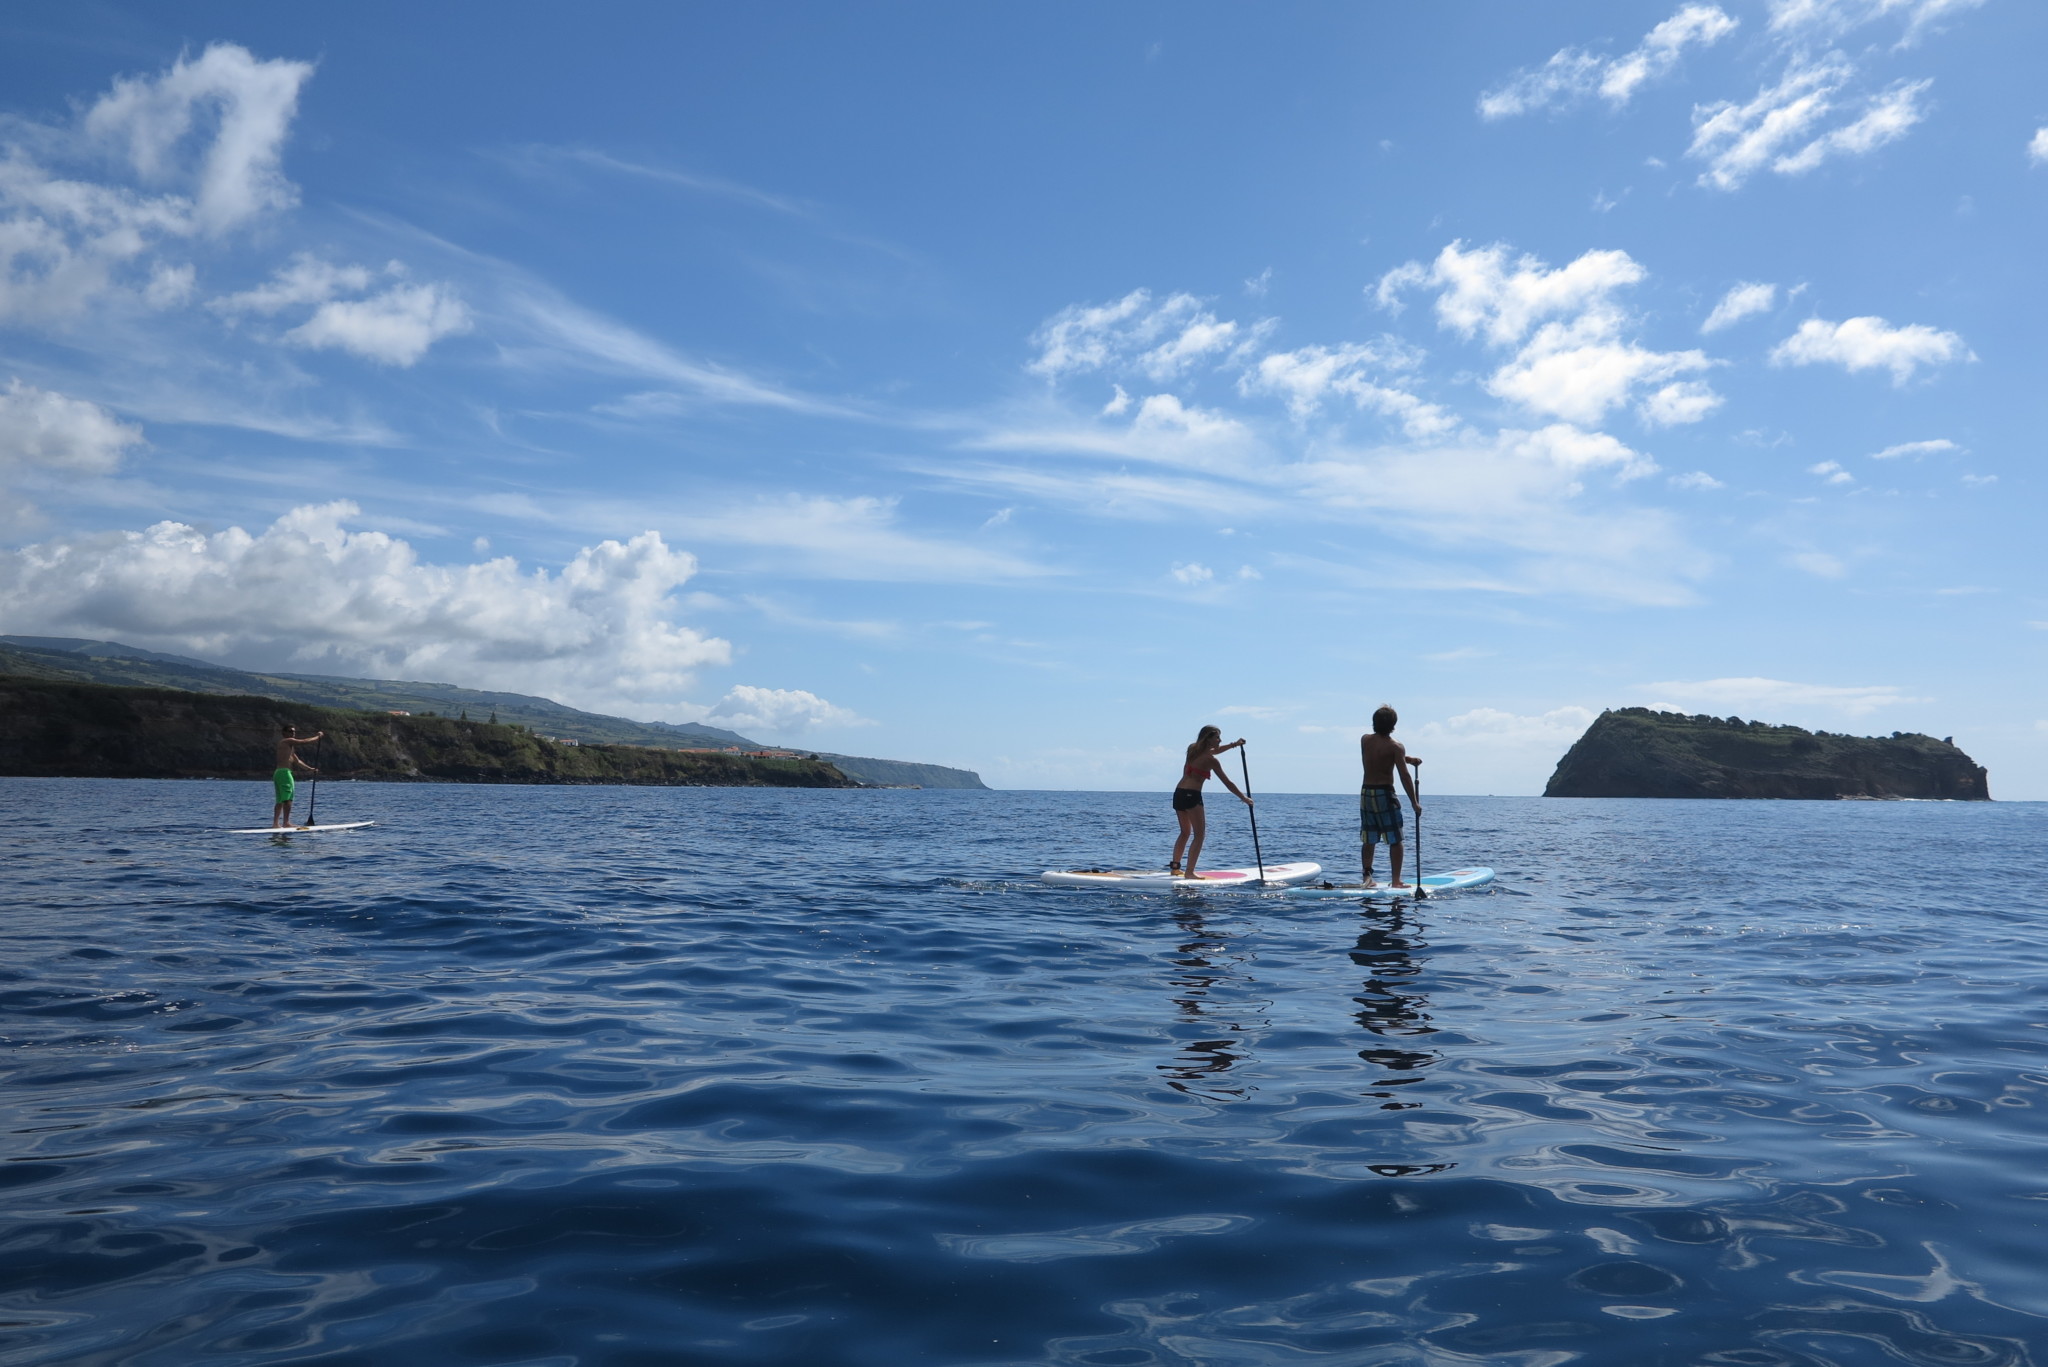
(1153, 880)
(1434, 883)
(321, 829)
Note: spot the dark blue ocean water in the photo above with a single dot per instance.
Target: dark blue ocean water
(625, 1077)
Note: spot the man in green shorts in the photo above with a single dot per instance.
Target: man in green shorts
(287, 758)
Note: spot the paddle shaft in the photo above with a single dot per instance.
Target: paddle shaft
(1416, 771)
(1245, 769)
(313, 802)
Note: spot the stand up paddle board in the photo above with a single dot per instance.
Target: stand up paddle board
(320, 829)
(1154, 880)
(1432, 884)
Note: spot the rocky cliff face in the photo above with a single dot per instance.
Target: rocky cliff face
(79, 730)
(1634, 752)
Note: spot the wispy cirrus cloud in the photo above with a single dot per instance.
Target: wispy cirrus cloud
(1753, 693)
(1573, 76)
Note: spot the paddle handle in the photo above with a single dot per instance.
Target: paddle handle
(1245, 769)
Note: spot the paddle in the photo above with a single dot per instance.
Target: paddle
(1420, 894)
(1257, 854)
(313, 802)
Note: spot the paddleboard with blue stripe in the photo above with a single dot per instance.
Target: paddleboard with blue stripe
(1454, 881)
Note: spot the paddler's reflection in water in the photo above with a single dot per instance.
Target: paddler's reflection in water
(1202, 963)
(1387, 1009)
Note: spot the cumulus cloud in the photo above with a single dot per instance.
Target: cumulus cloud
(1831, 472)
(393, 327)
(1572, 361)
(1696, 479)
(199, 145)
(598, 633)
(1193, 573)
(1916, 449)
(1870, 343)
(1783, 128)
(42, 429)
(782, 712)
(1572, 76)
(1742, 301)
(2037, 148)
(1493, 726)
(1757, 695)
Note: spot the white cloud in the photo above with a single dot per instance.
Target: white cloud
(1492, 726)
(1571, 76)
(839, 538)
(1743, 301)
(245, 105)
(598, 633)
(1696, 479)
(1192, 573)
(1916, 449)
(777, 711)
(1306, 376)
(1870, 343)
(305, 279)
(2037, 147)
(1753, 694)
(200, 146)
(1782, 127)
(1576, 363)
(46, 430)
(1819, 564)
(1831, 18)
(392, 328)
(1979, 481)
(1132, 334)
(1832, 472)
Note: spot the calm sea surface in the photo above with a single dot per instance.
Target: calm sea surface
(626, 1077)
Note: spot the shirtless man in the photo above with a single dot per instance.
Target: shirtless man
(286, 785)
(1379, 811)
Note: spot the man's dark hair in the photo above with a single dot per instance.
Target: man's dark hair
(286, 729)
(1383, 719)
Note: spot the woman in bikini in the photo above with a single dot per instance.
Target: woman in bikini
(1187, 796)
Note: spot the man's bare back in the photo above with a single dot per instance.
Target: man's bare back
(1380, 754)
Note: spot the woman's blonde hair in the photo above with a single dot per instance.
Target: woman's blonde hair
(1205, 739)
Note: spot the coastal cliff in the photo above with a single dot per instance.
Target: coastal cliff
(60, 729)
(1635, 752)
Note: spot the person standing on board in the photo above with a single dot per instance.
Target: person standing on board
(1187, 796)
(1379, 811)
(287, 757)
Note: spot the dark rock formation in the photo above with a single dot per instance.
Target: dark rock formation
(1634, 752)
(59, 729)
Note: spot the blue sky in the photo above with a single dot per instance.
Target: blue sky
(1023, 387)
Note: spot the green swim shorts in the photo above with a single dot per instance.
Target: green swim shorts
(285, 784)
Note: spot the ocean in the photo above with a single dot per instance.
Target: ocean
(634, 1077)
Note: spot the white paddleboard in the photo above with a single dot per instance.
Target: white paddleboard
(1155, 880)
(1432, 884)
(320, 829)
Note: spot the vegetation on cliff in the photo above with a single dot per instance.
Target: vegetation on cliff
(1635, 752)
(57, 728)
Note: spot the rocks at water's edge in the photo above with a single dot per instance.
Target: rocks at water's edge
(1635, 752)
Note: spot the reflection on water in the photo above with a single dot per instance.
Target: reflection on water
(531, 1077)
(1390, 935)
(1209, 977)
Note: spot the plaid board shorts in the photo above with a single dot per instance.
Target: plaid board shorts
(1379, 817)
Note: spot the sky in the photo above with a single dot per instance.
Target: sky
(1023, 387)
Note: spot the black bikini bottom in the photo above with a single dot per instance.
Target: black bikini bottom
(1186, 799)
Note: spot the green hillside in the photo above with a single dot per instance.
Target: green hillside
(111, 662)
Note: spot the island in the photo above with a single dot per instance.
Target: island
(1637, 752)
(60, 729)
